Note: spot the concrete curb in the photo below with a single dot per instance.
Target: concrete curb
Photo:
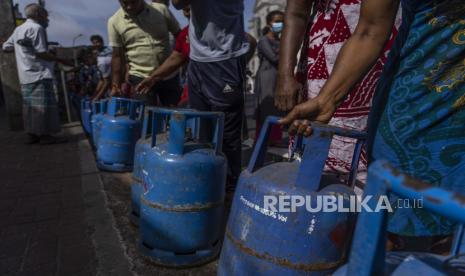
(109, 249)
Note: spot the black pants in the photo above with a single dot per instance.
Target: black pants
(219, 86)
(168, 92)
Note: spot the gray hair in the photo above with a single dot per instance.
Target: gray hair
(33, 10)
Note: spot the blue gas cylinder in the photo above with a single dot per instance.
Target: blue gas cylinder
(142, 147)
(264, 240)
(121, 128)
(368, 254)
(86, 114)
(151, 121)
(99, 108)
(183, 200)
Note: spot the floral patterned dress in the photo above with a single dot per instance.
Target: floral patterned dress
(418, 117)
(332, 25)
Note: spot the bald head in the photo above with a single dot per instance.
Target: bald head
(37, 13)
(33, 11)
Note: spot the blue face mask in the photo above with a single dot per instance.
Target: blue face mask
(277, 27)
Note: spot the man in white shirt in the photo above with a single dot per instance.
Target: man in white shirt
(104, 55)
(35, 69)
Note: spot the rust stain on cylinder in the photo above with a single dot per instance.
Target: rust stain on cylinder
(459, 198)
(408, 181)
(283, 261)
(177, 116)
(416, 184)
(183, 208)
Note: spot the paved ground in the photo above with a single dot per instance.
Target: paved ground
(42, 214)
(52, 212)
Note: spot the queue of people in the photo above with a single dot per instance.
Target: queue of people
(92, 77)
(363, 66)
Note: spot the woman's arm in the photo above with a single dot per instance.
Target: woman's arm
(295, 23)
(265, 49)
(355, 59)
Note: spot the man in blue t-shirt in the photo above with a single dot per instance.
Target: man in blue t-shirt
(216, 73)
